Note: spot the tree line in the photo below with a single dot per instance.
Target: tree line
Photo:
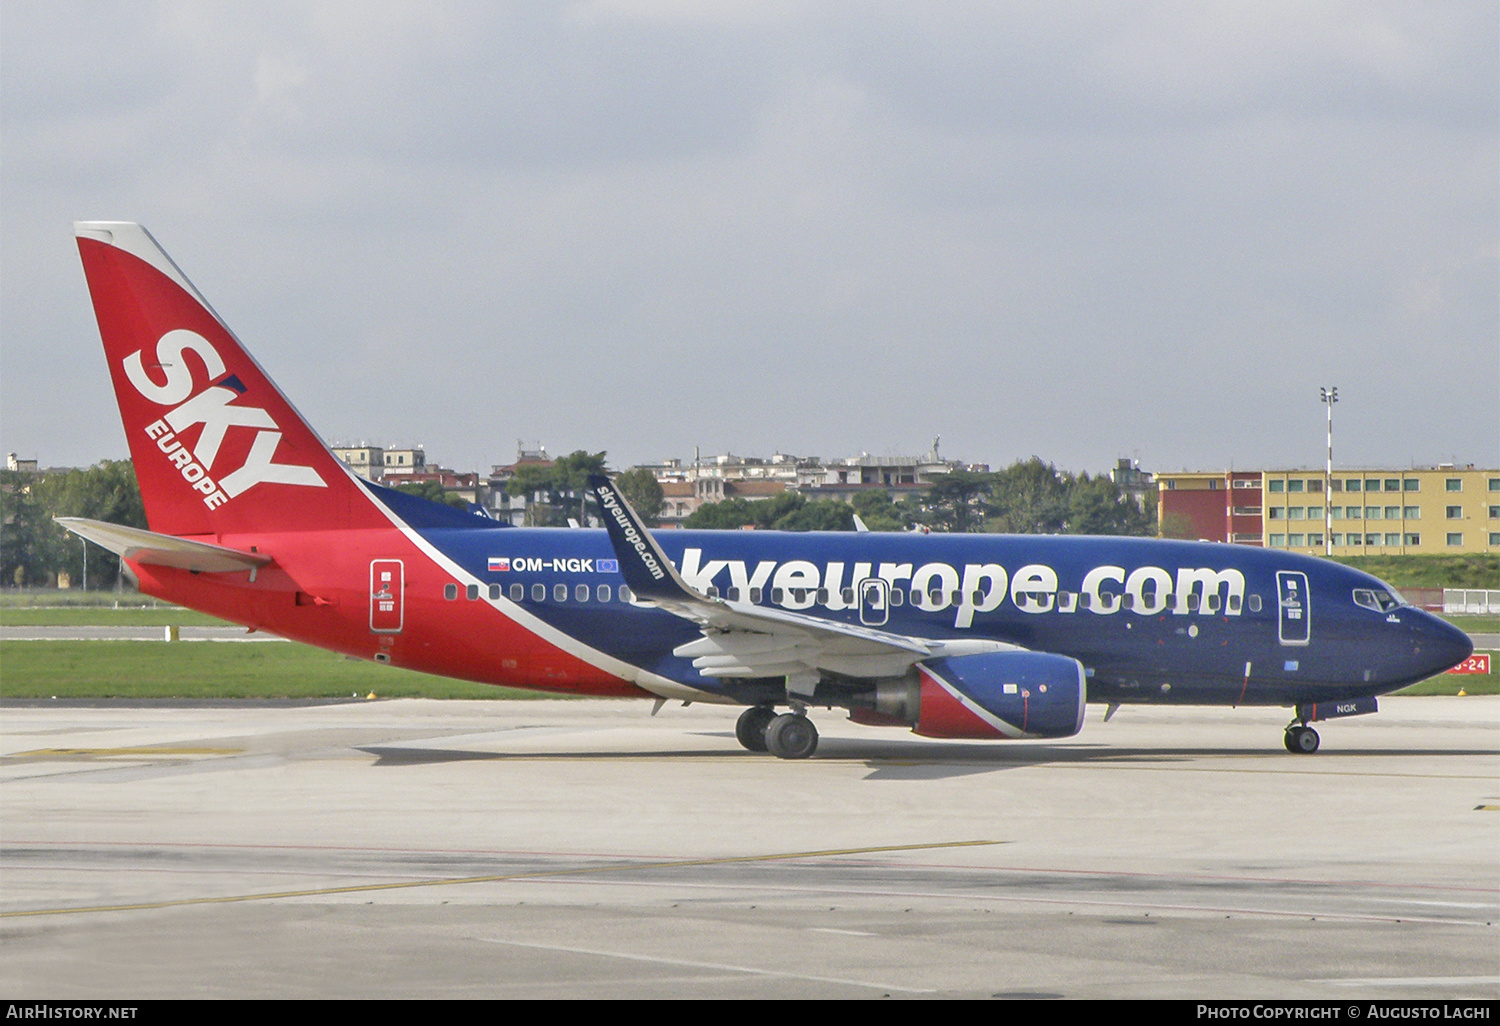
(1028, 497)
(34, 550)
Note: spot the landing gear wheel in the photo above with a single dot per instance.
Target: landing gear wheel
(791, 737)
(1301, 740)
(750, 728)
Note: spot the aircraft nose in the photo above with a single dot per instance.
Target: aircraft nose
(1439, 645)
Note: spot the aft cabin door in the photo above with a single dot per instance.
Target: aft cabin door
(387, 596)
(1295, 620)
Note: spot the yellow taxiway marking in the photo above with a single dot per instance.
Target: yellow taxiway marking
(446, 882)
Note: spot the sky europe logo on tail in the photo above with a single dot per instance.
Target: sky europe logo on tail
(210, 407)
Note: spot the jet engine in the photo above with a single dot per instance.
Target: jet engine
(986, 696)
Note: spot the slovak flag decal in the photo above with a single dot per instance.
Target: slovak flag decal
(499, 564)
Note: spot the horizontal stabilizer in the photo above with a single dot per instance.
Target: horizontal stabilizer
(140, 546)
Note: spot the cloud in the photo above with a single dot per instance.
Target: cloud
(1077, 230)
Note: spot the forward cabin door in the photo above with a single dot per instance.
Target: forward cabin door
(1295, 616)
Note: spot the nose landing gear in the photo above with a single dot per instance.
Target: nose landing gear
(1301, 739)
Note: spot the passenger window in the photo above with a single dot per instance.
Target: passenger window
(559, 593)
(823, 596)
(539, 592)
(1212, 603)
(494, 591)
(755, 595)
(603, 592)
(732, 594)
(472, 591)
(517, 592)
(1234, 603)
(626, 595)
(848, 596)
(897, 596)
(1254, 603)
(581, 592)
(450, 592)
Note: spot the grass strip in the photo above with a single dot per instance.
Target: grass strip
(155, 669)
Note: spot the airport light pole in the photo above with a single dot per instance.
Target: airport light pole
(1330, 396)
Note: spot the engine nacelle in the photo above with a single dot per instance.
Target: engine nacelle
(1000, 694)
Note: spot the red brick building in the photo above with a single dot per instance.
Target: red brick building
(1214, 506)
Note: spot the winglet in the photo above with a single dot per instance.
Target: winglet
(644, 565)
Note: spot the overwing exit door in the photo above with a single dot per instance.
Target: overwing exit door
(874, 601)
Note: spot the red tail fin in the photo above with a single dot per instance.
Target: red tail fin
(217, 448)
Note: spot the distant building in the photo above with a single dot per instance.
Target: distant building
(680, 501)
(1374, 511)
(368, 461)
(1131, 480)
(684, 497)
(501, 503)
(12, 462)
(686, 486)
(393, 467)
(1212, 505)
(404, 461)
(897, 476)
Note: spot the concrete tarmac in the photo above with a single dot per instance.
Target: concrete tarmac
(418, 848)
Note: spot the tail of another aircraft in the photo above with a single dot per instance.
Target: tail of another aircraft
(217, 448)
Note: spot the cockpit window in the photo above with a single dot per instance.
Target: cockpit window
(1376, 599)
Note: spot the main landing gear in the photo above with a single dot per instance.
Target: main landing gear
(1301, 739)
(787, 736)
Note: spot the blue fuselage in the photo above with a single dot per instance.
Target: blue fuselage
(1150, 620)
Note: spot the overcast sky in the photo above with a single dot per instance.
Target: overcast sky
(1076, 230)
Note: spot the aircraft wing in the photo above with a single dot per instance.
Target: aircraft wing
(741, 639)
(163, 549)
